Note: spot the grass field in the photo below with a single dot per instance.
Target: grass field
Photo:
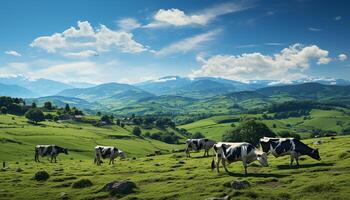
(164, 177)
(161, 177)
(329, 120)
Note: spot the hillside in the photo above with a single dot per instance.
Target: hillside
(15, 91)
(170, 176)
(111, 94)
(61, 101)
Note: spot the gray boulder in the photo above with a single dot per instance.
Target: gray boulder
(240, 184)
(116, 188)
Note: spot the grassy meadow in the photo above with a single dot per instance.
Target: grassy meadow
(171, 175)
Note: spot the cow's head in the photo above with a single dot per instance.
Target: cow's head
(65, 150)
(262, 158)
(121, 154)
(315, 154)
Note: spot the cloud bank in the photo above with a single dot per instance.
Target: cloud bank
(288, 64)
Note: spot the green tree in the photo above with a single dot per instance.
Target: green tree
(48, 105)
(67, 108)
(248, 131)
(136, 131)
(35, 115)
(34, 105)
(197, 135)
(3, 110)
(105, 118)
(122, 125)
(118, 122)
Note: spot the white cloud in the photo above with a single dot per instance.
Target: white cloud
(314, 29)
(342, 57)
(188, 44)
(337, 18)
(70, 71)
(81, 54)
(13, 53)
(128, 24)
(176, 17)
(85, 36)
(289, 64)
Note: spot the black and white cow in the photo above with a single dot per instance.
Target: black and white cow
(227, 153)
(198, 144)
(107, 152)
(288, 146)
(51, 151)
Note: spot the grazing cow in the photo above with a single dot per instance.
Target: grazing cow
(107, 152)
(232, 152)
(51, 151)
(288, 146)
(198, 144)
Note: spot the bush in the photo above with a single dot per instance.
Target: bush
(35, 115)
(286, 134)
(197, 135)
(82, 183)
(41, 176)
(49, 116)
(3, 110)
(248, 131)
(106, 118)
(136, 131)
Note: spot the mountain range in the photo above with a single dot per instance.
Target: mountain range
(174, 94)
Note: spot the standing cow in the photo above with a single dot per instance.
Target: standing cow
(107, 152)
(232, 152)
(198, 144)
(288, 146)
(51, 151)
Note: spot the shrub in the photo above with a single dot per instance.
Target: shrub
(136, 131)
(41, 176)
(82, 183)
(197, 135)
(3, 110)
(35, 115)
(248, 131)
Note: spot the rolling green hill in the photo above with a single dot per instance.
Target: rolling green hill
(169, 176)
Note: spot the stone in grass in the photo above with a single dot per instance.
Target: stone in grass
(119, 187)
(238, 185)
(219, 198)
(41, 176)
(181, 162)
(18, 169)
(82, 183)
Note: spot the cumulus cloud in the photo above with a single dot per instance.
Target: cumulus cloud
(337, 18)
(314, 29)
(128, 24)
(13, 53)
(289, 64)
(188, 44)
(176, 17)
(81, 54)
(342, 57)
(85, 36)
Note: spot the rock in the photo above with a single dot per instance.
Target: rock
(18, 169)
(119, 187)
(156, 164)
(318, 142)
(218, 198)
(63, 196)
(41, 176)
(82, 183)
(240, 184)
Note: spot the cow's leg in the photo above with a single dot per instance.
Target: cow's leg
(205, 152)
(224, 164)
(292, 156)
(55, 158)
(297, 159)
(218, 163)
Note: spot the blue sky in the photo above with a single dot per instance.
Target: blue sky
(133, 41)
